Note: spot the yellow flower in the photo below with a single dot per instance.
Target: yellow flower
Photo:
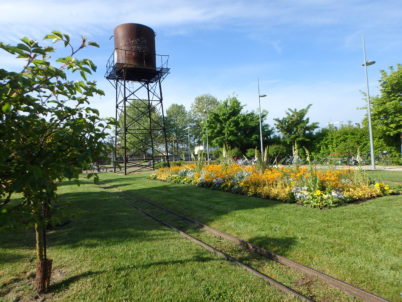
(318, 192)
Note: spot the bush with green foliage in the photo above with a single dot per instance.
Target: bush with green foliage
(164, 164)
(47, 133)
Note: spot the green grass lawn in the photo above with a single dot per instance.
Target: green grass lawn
(386, 176)
(357, 243)
(110, 252)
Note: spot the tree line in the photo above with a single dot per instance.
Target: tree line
(230, 129)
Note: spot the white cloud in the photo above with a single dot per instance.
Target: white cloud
(259, 19)
(95, 16)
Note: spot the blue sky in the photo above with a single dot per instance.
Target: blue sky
(304, 52)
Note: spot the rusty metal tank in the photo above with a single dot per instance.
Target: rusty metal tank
(135, 49)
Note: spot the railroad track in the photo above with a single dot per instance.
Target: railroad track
(139, 202)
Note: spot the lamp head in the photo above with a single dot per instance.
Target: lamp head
(368, 63)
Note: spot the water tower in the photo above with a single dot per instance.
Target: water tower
(136, 73)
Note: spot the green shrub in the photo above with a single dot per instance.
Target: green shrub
(164, 164)
(250, 153)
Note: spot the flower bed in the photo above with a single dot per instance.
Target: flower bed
(305, 186)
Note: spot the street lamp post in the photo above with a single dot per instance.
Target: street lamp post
(207, 141)
(365, 64)
(259, 106)
(188, 142)
(206, 132)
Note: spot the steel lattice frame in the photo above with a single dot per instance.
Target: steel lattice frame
(145, 123)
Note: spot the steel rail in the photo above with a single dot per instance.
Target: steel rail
(339, 284)
(225, 256)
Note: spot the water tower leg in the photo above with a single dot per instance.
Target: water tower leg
(125, 124)
(163, 124)
(149, 104)
(116, 128)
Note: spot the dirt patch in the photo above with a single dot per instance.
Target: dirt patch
(21, 289)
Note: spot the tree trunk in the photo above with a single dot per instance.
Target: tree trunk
(43, 265)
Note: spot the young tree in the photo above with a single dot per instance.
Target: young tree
(387, 108)
(47, 133)
(250, 131)
(295, 128)
(347, 140)
(176, 126)
(203, 105)
(200, 110)
(230, 128)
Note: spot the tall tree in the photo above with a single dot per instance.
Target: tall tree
(47, 133)
(176, 124)
(230, 128)
(200, 110)
(296, 128)
(387, 108)
(347, 140)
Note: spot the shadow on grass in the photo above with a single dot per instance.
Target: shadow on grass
(279, 246)
(103, 218)
(81, 182)
(62, 285)
(203, 204)
(198, 201)
(115, 186)
(10, 257)
(98, 218)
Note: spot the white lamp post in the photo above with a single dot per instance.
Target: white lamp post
(206, 132)
(188, 142)
(207, 141)
(259, 106)
(365, 64)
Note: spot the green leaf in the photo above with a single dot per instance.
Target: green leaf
(93, 44)
(27, 41)
(6, 107)
(87, 70)
(23, 47)
(61, 74)
(89, 63)
(66, 39)
(58, 34)
(39, 50)
(50, 37)
(83, 75)
(3, 211)
(61, 60)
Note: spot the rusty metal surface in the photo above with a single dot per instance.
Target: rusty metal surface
(346, 287)
(134, 47)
